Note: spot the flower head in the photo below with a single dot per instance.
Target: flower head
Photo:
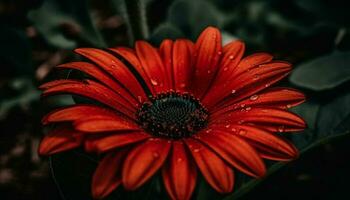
(179, 108)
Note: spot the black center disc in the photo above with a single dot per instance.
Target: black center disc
(173, 115)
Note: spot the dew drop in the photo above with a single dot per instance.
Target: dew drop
(280, 129)
(233, 91)
(254, 97)
(155, 154)
(248, 108)
(154, 82)
(256, 77)
(242, 132)
(242, 105)
(179, 160)
(209, 71)
(219, 52)
(228, 126)
(240, 122)
(225, 69)
(196, 150)
(231, 57)
(233, 129)
(139, 98)
(288, 106)
(267, 85)
(113, 66)
(208, 131)
(182, 85)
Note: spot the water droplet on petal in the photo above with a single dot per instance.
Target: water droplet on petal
(182, 85)
(228, 126)
(233, 91)
(208, 131)
(288, 106)
(233, 129)
(154, 82)
(155, 154)
(219, 52)
(209, 71)
(267, 85)
(225, 69)
(196, 150)
(242, 132)
(256, 77)
(179, 160)
(280, 129)
(240, 122)
(231, 57)
(248, 108)
(254, 97)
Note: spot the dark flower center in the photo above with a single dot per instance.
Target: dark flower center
(173, 115)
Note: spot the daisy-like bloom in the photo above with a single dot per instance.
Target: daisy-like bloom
(180, 109)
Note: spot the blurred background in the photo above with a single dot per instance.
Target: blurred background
(36, 35)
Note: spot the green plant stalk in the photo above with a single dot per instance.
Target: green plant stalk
(135, 14)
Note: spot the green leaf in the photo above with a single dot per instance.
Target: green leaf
(192, 16)
(165, 31)
(323, 73)
(53, 15)
(27, 93)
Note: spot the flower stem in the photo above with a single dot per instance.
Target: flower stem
(136, 20)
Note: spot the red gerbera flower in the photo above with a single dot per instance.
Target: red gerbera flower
(177, 108)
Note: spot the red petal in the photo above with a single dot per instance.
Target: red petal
(269, 145)
(107, 176)
(101, 76)
(74, 112)
(235, 151)
(93, 90)
(182, 64)
(273, 97)
(153, 66)
(232, 54)
(246, 84)
(107, 142)
(58, 140)
(166, 51)
(143, 161)
(56, 83)
(217, 173)
(116, 68)
(207, 51)
(275, 120)
(130, 56)
(105, 123)
(252, 61)
(179, 174)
